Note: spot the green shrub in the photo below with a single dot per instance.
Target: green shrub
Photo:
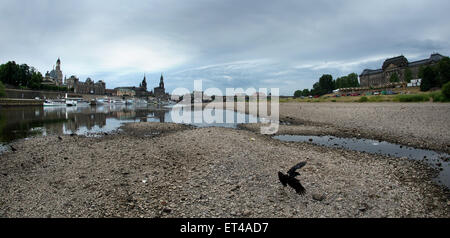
(413, 98)
(363, 99)
(446, 90)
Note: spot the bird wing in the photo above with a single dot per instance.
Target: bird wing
(292, 173)
(295, 184)
(283, 178)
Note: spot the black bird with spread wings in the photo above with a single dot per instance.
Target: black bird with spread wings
(290, 178)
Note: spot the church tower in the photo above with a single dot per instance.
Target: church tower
(161, 82)
(58, 65)
(144, 83)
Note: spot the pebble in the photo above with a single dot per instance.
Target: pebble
(318, 197)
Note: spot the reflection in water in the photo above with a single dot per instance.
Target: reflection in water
(22, 122)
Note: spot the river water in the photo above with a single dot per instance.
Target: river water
(23, 122)
(437, 160)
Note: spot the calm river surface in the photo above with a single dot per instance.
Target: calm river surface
(23, 122)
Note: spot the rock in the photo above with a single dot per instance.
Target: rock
(318, 197)
(60, 138)
(13, 149)
(167, 210)
(235, 188)
(310, 140)
(247, 213)
(364, 207)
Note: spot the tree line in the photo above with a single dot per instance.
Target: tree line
(24, 77)
(326, 85)
(435, 76)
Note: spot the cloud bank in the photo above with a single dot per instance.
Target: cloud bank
(285, 44)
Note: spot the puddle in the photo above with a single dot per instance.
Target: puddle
(435, 159)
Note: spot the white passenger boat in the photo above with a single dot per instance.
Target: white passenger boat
(119, 102)
(54, 103)
(71, 103)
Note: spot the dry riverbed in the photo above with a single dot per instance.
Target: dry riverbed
(420, 125)
(168, 170)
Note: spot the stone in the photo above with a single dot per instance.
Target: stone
(318, 197)
(364, 207)
(247, 213)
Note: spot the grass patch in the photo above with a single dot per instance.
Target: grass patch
(437, 96)
(412, 98)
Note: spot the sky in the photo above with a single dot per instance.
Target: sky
(285, 44)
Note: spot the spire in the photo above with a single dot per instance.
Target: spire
(144, 83)
(161, 82)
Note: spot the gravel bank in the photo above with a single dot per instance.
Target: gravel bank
(167, 170)
(421, 125)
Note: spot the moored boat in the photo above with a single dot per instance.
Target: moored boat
(71, 103)
(53, 103)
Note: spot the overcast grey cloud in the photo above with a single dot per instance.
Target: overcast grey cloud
(285, 44)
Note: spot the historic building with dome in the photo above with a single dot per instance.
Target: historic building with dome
(397, 65)
(54, 77)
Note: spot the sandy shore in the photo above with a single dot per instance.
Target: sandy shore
(167, 170)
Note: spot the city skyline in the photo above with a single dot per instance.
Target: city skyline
(282, 44)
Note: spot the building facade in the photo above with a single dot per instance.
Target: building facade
(125, 91)
(397, 65)
(88, 87)
(54, 77)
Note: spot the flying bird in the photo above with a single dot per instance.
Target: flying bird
(290, 178)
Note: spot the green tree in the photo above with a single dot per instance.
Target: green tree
(2, 90)
(316, 89)
(306, 92)
(446, 90)
(298, 93)
(326, 84)
(20, 75)
(352, 80)
(428, 79)
(349, 81)
(444, 71)
(408, 75)
(394, 78)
